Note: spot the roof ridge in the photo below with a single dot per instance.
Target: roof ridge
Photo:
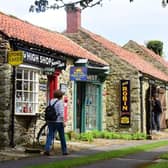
(151, 53)
(129, 57)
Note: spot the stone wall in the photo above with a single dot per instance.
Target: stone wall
(113, 100)
(5, 104)
(5, 94)
(144, 98)
(119, 69)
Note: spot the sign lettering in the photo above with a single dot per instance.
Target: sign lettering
(45, 61)
(125, 102)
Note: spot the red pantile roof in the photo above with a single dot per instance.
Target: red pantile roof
(22, 30)
(155, 56)
(133, 59)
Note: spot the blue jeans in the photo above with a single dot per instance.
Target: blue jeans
(156, 121)
(53, 127)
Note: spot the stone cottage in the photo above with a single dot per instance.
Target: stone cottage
(160, 63)
(129, 83)
(33, 63)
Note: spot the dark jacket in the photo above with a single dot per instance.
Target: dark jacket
(157, 106)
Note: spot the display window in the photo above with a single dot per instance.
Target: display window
(27, 88)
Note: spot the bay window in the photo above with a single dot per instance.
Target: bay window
(27, 88)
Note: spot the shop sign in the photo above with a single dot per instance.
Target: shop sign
(125, 102)
(48, 71)
(78, 73)
(44, 60)
(43, 87)
(15, 57)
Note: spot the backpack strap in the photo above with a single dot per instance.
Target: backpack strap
(53, 103)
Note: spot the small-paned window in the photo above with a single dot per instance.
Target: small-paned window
(27, 88)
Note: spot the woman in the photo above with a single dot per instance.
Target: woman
(58, 125)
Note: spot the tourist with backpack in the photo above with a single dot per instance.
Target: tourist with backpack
(56, 125)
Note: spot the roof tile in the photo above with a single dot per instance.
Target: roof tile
(132, 58)
(22, 30)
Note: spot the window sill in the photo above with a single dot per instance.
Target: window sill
(25, 114)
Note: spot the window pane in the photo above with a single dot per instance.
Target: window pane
(31, 86)
(25, 85)
(19, 85)
(19, 74)
(25, 74)
(31, 75)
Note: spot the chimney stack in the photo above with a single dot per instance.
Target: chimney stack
(73, 19)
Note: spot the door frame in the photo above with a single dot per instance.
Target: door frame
(83, 116)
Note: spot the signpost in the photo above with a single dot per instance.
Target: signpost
(14, 58)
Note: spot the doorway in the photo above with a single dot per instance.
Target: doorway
(88, 107)
(162, 97)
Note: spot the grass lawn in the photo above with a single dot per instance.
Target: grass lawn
(163, 164)
(158, 165)
(75, 162)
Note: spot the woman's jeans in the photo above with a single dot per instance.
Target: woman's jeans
(53, 128)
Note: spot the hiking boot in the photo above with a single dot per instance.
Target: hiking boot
(66, 153)
(46, 153)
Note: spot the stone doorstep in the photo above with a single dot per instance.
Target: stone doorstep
(159, 135)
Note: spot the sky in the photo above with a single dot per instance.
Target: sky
(117, 20)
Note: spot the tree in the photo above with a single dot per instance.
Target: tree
(43, 5)
(156, 46)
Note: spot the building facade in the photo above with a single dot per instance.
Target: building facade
(130, 83)
(33, 63)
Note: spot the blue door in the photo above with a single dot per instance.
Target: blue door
(88, 107)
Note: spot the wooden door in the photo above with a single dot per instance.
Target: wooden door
(162, 98)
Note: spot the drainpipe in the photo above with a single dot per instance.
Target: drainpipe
(141, 102)
(12, 144)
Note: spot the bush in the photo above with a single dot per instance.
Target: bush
(89, 136)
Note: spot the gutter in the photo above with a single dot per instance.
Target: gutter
(141, 103)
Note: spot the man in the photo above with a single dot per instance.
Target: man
(156, 112)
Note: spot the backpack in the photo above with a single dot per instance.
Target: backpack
(50, 113)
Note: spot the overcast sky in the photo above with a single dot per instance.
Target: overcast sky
(117, 20)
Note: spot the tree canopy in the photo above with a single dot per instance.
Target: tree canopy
(43, 5)
(156, 46)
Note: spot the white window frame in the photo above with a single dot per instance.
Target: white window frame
(27, 89)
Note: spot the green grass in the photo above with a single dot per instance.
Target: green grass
(164, 156)
(163, 164)
(158, 165)
(75, 162)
